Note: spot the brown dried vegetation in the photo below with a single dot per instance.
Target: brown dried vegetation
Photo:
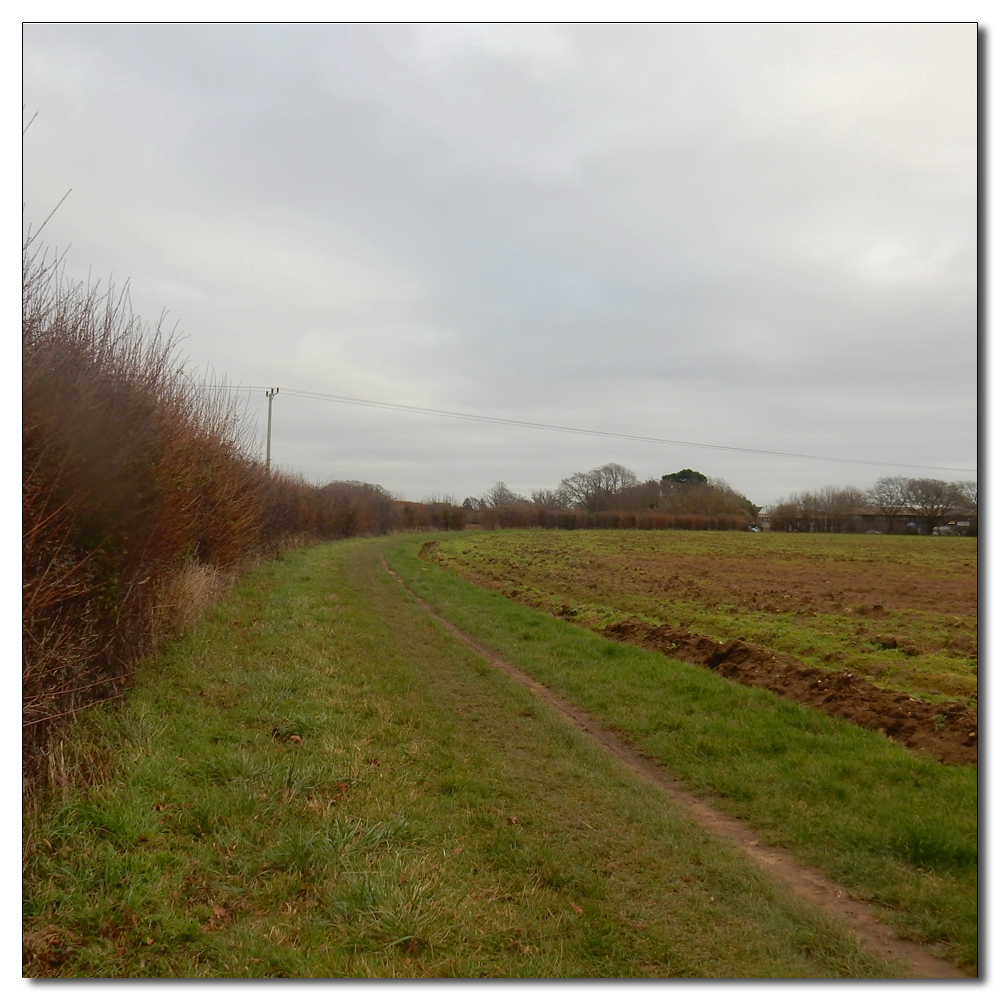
(141, 498)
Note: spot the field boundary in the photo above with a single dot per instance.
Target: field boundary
(859, 918)
(946, 731)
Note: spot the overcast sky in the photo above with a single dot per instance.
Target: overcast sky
(758, 236)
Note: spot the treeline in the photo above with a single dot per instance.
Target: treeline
(612, 496)
(895, 504)
(530, 516)
(141, 493)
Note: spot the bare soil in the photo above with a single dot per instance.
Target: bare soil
(805, 584)
(948, 732)
(898, 614)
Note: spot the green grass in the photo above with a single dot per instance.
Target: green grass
(431, 819)
(899, 829)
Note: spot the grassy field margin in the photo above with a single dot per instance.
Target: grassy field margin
(318, 781)
(899, 830)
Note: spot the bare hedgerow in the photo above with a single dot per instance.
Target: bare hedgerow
(141, 496)
(127, 476)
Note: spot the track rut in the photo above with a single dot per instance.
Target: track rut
(859, 918)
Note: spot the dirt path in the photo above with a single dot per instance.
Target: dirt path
(859, 918)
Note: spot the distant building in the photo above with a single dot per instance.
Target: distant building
(788, 517)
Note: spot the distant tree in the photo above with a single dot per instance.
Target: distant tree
(970, 502)
(889, 496)
(852, 499)
(970, 495)
(832, 508)
(613, 478)
(808, 509)
(472, 503)
(501, 495)
(642, 496)
(841, 505)
(690, 492)
(735, 502)
(799, 512)
(600, 488)
(350, 507)
(786, 515)
(550, 499)
(686, 477)
(580, 488)
(934, 501)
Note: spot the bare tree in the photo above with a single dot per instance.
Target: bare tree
(832, 508)
(812, 510)
(970, 494)
(642, 496)
(580, 488)
(933, 500)
(890, 496)
(835, 507)
(501, 495)
(599, 488)
(786, 515)
(613, 478)
(552, 499)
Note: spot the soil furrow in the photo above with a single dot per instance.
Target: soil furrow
(860, 918)
(949, 732)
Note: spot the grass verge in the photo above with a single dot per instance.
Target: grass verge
(899, 830)
(319, 782)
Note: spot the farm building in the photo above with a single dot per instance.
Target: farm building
(861, 519)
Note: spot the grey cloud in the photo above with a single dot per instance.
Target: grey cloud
(761, 235)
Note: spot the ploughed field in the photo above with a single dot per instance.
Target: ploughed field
(877, 629)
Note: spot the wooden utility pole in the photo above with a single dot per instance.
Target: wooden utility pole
(270, 393)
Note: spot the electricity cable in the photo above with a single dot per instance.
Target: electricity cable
(511, 422)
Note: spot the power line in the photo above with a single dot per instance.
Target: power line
(510, 422)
